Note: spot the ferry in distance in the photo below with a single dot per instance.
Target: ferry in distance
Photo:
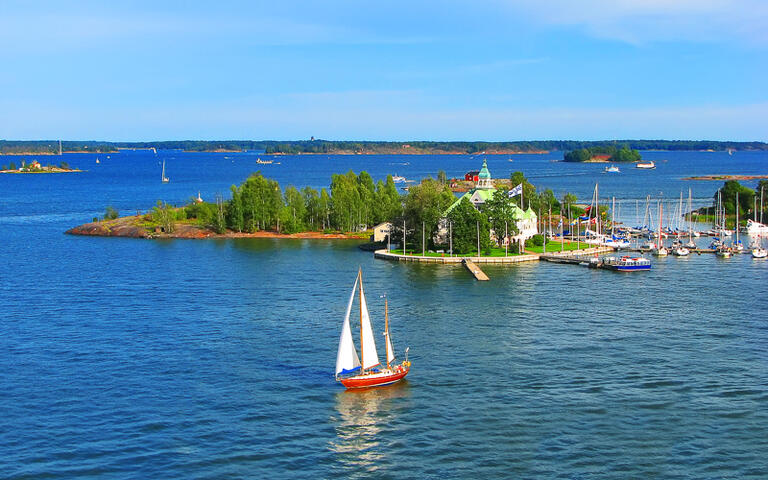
(646, 165)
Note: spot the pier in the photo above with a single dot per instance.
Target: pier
(474, 270)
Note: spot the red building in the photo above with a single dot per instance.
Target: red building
(472, 176)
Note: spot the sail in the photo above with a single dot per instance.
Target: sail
(367, 342)
(346, 358)
(390, 350)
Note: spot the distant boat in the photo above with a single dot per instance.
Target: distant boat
(646, 165)
(612, 169)
(366, 371)
(755, 228)
(730, 151)
(264, 162)
(398, 179)
(97, 161)
(624, 264)
(163, 178)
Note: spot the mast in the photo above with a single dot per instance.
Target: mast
(690, 218)
(362, 352)
(661, 239)
(386, 328)
(737, 217)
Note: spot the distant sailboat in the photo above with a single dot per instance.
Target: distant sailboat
(162, 175)
(366, 371)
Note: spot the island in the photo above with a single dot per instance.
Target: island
(726, 177)
(603, 154)
(35, 167)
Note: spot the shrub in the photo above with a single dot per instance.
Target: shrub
(537, 240)
(111, 213)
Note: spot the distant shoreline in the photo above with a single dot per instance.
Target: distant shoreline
(725, 177)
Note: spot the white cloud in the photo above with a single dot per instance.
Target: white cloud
(643, 21)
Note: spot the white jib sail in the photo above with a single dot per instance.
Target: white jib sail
(368, 344)
(390, 350)
(346, 358)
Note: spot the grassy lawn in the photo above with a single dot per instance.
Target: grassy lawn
(555, 247)
(495, 252)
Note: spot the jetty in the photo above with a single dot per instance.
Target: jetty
(475, 270)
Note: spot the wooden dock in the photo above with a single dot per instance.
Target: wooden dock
(474, 270)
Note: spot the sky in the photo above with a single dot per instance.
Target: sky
(395, 70)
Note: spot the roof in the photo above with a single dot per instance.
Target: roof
(485, 195)
(484, 173)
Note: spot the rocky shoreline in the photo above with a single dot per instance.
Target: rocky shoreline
(132, 227)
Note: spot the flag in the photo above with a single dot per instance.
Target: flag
(518, 190)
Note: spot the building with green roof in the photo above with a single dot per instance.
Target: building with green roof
(525, 220)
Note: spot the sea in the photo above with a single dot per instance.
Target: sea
(204, 359)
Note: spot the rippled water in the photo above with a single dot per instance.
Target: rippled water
(129, 358)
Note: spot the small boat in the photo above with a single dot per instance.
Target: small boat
(723, 251)
(691, 245)
(264, 162)
(755, 228)
(680, 251)
(163, 178)
(366, 371)
(646, 165)
(97, 161)
(624, 264)
(612, 169)
(398, 179)
(661, 251)
(759, 252)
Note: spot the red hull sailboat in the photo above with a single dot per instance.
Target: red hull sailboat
(366, 371)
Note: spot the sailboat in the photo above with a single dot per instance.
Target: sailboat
(162, 175)
(678, 248)
(366, 371)
(660, 250)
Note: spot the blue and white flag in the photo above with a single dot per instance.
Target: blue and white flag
(518, 190)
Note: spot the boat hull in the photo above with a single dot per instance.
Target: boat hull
(375, 379)
(627, 268)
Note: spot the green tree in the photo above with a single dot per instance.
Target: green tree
(530, 199)
(165, 216)
(500, 212)
(547, 201)
(234, 210)
(746, 197)
(312, 211)
(367, 192)
(293, 213)
(218, 220)
(12, 166)
(325, 204)
(442, 177)
(261, 200)
(465, 219)
(346, 202)
(111, 213)
(426, 204)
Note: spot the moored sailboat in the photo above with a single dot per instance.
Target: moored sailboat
(366, 371)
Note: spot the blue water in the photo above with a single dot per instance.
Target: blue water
(126, 358)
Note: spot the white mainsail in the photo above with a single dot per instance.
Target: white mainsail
(367, 342)
(346, 358)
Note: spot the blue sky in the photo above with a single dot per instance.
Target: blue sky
(418, 70)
